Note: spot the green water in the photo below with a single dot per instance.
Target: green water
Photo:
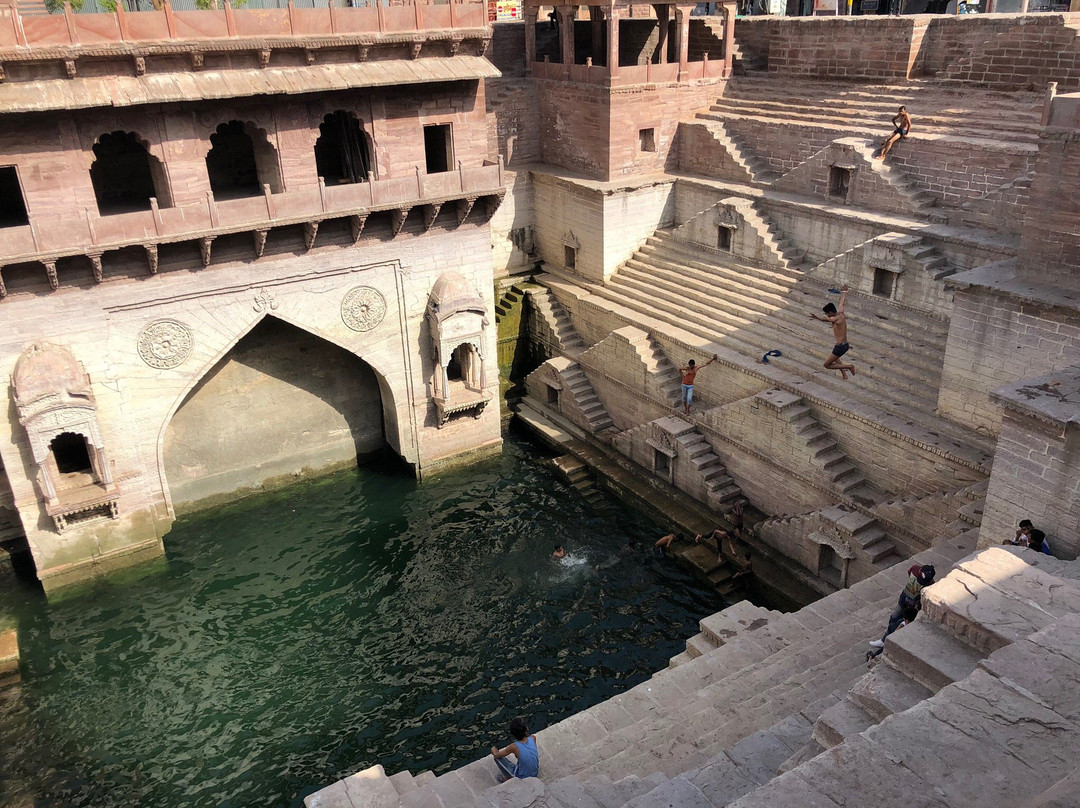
(302, 635)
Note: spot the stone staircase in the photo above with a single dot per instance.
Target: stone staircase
(865, 110)
(658, 366)
(791, 256)
(922, 202)
(721, 491)
(768, 709)
(511, 298)
(577, 384)
(756, 170)
(671, 283)
(561, 331)
(823, 447)
(578, 475)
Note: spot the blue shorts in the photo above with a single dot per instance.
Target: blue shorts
(688, 394)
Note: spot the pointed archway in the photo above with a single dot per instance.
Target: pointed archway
(281, 402)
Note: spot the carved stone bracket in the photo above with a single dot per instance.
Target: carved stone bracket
(362, 52)
(464, 208)
(152, 257)
(311, 230)
(491, 204)
(140, 65)
(50, 270)
(70, 68)
(415, 48)
(259, 236)
(95, 264)
(204, 249)
(3, 288)
(431, 213)
(356, 225)
(397, 219)
(454, 45)
(3, 75)
(482, 47)
(264, 57)
(309, 56)
(196, 60)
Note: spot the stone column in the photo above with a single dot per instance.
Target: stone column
(613, 41)
(729, 36)
(682, 21)
(663, 18)
(566, 32)
(596, 32)
(530, 38)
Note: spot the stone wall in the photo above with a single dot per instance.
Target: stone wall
(1037, 463)
(994, 339)
(1051, 240)
(513, 227)
(606, 224)
(999, 50)
(574, 125)
(984, 187)
(105, 327)
(315, 406)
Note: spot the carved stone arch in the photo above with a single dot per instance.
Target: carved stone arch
(394, 400)
(154, 158)
(265, 157)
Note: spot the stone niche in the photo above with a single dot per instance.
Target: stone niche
(56, 407)
(457, 318)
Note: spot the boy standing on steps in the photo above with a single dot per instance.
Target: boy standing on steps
(836, 318)
(688, 374)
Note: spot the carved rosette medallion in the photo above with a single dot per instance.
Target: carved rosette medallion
(363, 308)
(165, 344)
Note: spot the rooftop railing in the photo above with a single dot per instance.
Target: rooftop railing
(70, 28)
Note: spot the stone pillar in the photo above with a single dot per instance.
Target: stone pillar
(530, 38)
(596, 28)
(663, 17)
(566, 32)
(682, 21)
(729, 36)
(613, 41)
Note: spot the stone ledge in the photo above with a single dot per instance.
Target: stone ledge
(1053, 399)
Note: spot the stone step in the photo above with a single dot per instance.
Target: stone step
(699, 644)
(885, 691)
(743, 302)
(679, 253)
(839, 721)
(995, 599)
(928, 654)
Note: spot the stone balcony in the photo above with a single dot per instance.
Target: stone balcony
(49, 239)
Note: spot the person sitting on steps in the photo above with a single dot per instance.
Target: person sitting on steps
(524, 751)
(902, 125)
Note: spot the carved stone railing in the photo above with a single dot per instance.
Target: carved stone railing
(49, 238)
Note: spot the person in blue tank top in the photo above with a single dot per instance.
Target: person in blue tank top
(524, 751)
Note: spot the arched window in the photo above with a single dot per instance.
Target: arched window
(125, 175)
(70, 452)
(240, 161)
(342, 152)
(457, 358)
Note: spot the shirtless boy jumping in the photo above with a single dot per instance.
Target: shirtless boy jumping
(836, 318)
(902, 123)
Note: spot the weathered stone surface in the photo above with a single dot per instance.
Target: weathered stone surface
(885, 691)
(516, 793)
(930, 655)
(371, 788)
(676, 793)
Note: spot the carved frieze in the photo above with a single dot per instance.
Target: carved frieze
(363, 308)
(662, 440)
(165, 344)
(884, 256)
